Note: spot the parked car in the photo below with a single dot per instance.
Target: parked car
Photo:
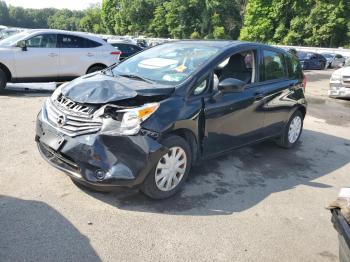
(52, 55)
(339, 84)
(334, 60)
(127, 49)
(7, 32)
(309, 60)
(147, 120)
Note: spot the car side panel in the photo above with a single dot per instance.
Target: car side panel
(7, 58)
(37, 62)
(281, 97)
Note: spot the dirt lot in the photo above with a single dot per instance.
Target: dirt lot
(260, 203)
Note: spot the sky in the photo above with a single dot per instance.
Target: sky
(70, 4)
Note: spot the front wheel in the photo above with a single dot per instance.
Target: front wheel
(171, 171)
(292, 131)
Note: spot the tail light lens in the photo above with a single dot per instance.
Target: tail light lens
(116, 53)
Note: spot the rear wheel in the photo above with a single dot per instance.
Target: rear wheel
(171, 171)
(3, 80)
(292, 131)
(95, 68)
(323, 66)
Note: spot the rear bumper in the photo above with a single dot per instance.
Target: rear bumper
(100, 160)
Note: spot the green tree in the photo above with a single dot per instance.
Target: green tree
(92, 21)
(108, 14)
(65, 19)
(134, 16)
(158, 26)
(327, 24)
(299, 22)
(4, 14)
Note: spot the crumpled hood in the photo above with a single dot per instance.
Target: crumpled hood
(98, 88)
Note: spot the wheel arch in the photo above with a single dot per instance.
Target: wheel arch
(302, 109)
(96, 64)
(190, 138)
(7, 72)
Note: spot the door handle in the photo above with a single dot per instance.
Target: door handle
(53, 54)
(90, 54)
(259, 96)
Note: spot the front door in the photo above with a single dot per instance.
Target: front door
(234, 119)
(40, 59)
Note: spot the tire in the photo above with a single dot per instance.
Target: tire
(178, 146)
(323, 66)
(287, 140)
(95, 69)
(3, 80)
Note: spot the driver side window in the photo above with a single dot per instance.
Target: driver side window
(240, 66)
(42, 41)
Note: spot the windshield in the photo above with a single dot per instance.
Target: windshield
(170, 63)
(328, 55)
(304, 55)
(13, 39)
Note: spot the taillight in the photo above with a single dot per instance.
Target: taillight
(304, 81)
(116, 53)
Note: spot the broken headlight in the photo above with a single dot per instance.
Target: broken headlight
(132, 118)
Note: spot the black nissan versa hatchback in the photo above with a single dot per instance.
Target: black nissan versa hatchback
(146, 121)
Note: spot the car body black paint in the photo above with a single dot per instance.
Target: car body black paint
(218, 122)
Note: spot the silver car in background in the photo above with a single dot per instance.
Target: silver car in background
(340, 83)
(52, 55)
(334, 60)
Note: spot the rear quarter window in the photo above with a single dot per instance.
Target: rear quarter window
(294, 68)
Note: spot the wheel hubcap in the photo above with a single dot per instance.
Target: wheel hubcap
(171, 169)
(294, 129)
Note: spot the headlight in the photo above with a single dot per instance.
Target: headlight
(132, 118)
(57, 92)
(335, 78)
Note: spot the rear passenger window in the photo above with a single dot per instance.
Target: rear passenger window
(274, 66)
(294, 68)
(72, 41)
(90, 43)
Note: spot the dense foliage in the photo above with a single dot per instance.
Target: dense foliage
(294, 22)
(298, 22)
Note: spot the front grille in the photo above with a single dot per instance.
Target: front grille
(65, 104)
(71, 118)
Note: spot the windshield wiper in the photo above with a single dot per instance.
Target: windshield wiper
(137, 77)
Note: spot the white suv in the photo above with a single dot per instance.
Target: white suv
(52, 55)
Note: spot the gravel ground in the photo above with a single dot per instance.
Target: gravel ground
(260, 203)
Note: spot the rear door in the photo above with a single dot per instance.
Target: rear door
(233, 119)
(40, 59)
(278, 89)
(77, 54)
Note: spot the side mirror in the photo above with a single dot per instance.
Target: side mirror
(231, 85)
(22, 44)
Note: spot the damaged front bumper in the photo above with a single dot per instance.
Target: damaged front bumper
(98, 159)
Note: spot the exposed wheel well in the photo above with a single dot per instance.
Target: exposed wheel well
(190, 138)
(302, 110)
(7, 72)
(98, 64)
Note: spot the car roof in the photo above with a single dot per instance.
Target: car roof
(57, 31)
(227, 44)
(120, 42)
